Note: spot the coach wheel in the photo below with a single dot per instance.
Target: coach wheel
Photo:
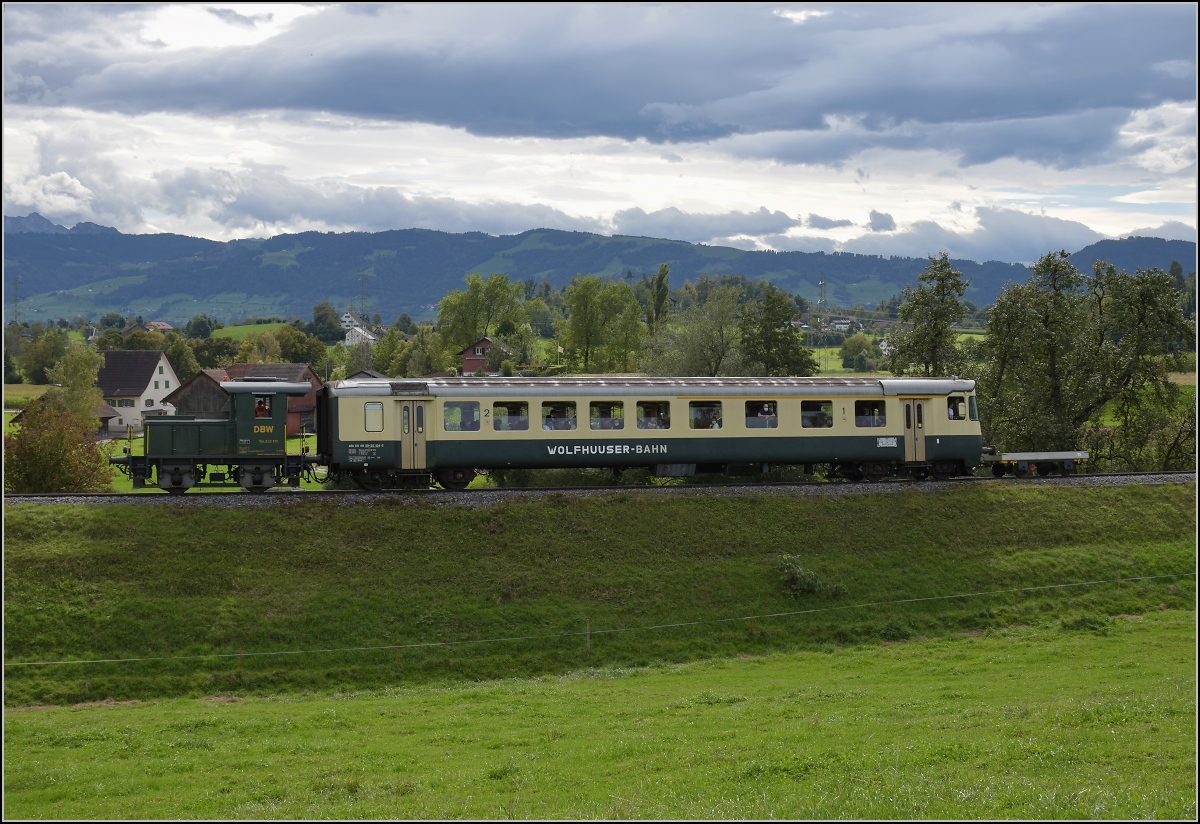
(1067, 468)
(1022, 469)
(874, 472)
(1044, 469)
(920, 473)
(455, 480)
(998, 470)
(367, 481)
(943, 471)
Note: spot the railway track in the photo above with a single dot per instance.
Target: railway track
(494, 494)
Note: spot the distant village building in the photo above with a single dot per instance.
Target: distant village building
(159, 326)
(474, 357)
(135, 383)
(359, 334)
(350, 319)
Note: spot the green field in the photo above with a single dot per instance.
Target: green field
(240, 333)
(1025, 723)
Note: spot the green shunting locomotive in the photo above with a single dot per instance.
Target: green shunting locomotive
(246, 449)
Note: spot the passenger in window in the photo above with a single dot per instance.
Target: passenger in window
(716, 424)
(950, 411)
(260, 409)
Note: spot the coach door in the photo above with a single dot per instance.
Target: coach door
(413, 421)
(914, 428)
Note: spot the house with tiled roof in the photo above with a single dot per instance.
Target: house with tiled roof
(135, 382)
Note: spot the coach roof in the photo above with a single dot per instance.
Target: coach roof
(604, 386)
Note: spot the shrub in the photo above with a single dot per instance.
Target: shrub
(796, 579)
(54, 450)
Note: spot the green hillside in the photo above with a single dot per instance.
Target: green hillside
(325, 596)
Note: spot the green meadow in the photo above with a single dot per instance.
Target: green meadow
(994, 650)
(1024, 722)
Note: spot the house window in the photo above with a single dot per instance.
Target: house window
(478, 350)
(120, 422)
(160, 370)
(166, 384)
(156, 384)
(149, 401)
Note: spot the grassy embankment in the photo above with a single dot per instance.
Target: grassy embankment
(121, 582)
(1019, 723)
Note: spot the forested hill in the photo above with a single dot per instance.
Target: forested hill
(172, 277)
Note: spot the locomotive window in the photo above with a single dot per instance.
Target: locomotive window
(762, 414)
(509, 415)
(869, 413)
(653, 415)
(973, 408)
(956, 408)
(461, 416)
(606, 415)
(373, 413)
(558, 415)
(816, 414)
(704, 415)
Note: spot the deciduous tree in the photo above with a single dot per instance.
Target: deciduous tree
(925, 342)
(771, 345)
(1063, 347)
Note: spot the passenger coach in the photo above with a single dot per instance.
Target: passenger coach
(388, 433)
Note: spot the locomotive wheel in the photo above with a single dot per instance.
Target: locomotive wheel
(943, 471)
(176, 490)
(920, 473)
(455, 480)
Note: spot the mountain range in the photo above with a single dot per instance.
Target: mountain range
(89, 270)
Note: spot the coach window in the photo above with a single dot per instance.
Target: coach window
(510, 415)
(869, 413)
(704, 415)
(606, 415)
(956, 408)
(816, 414)
(558, 415)
(405, 423)
(461, 416)
(762, 414)
(653, 415)
(373, 412)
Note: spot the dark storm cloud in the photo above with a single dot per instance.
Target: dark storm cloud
(1046, 83)
(675, 224)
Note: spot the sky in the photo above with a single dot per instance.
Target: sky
(989, 131)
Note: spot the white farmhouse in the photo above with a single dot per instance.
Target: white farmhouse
(134, 383)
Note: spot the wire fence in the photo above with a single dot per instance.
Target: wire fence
(588, 632)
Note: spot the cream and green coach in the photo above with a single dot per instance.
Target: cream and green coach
(387, 433)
